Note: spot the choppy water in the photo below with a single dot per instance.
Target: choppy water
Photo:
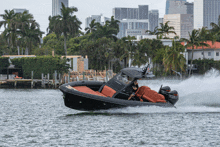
(39, 118)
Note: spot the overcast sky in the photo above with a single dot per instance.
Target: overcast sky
(42, 9)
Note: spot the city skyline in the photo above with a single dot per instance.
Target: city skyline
(42, 9)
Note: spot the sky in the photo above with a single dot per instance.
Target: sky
(42, 9)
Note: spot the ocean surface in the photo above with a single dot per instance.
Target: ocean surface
(38, 118)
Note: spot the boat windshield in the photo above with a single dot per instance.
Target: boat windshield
(123, 78)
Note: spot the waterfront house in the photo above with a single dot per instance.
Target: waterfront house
(210, 52)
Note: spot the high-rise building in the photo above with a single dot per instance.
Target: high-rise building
(56, 6)
(125, 13)
(132, 24)
(173, 6)
(20, 10)
(153, 19)
(131, 13)
(98, 18)
(189, 8)
(182, 23)
(90, 18)
(160, 20)
(143, 11)
(205, 12)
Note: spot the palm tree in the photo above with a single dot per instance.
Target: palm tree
(193, 41)
(204, 35)
(114, 23)
(23, 22)
(92, 27)
(172, 58)
(10, 27)
(105, 31)
(165, 29)
(139, 56)
(65, 24)
(153, 32)
(129, 48)
(216, 29)
(31, 35)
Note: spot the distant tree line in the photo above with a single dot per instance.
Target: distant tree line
(100, 42)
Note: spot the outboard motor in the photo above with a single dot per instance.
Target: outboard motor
(173, 97)
(164, 90)
(170, 96)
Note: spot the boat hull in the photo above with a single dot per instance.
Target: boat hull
(88, 102)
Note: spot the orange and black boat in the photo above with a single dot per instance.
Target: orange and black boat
(94, 95)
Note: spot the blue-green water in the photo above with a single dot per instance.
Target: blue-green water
(39, 118)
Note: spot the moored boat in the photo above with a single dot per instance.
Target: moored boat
(94, 95)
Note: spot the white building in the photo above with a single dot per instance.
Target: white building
(90, 18)
(205, 12)
(56, 6)
(211, 52)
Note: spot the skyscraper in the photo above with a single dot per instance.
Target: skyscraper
(56, 6)
(205, 12)
(125, 13)
(189, 8)
(143, 11)
(131, 13)
(90, 18)
(174, 6)
(153, 19)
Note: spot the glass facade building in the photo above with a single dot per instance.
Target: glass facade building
(170, 9)
(206, 12)
(56, 6)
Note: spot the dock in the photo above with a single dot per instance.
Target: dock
(46, 82)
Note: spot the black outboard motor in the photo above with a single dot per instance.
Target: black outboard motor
(170, 96)
(164, 90)
(173, 97)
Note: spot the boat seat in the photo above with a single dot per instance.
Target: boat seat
(153, 96)
(146, 93)
(108, 91)
(86, 89)
(100, 93)
(141, 91)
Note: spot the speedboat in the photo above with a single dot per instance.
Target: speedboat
(95, 95)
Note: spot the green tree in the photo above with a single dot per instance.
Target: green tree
(10, 28)
(113, 24)
(193, 41)
(51, 43)
(140, 56)
(21, 30)
(98, 51)
(31, 34)
(105, 31)
(165, 29)
(65, 24)
(204, 36)
(216, 29)
(129, 48)
(92, 27)
(3, 46)
(173, 59)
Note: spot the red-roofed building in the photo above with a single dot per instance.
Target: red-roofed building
(210, 52)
